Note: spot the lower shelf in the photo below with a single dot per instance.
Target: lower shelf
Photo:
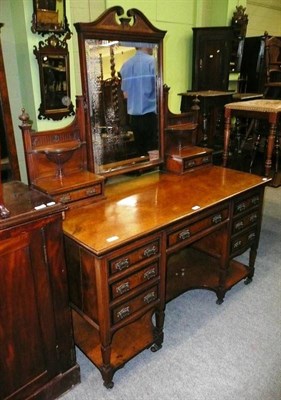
(193, 269)
(126, 342)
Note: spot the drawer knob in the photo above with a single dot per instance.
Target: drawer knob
(217, 218)
(184, 234)
(124, 312)
(120, 265)
(150, 251)
(123, 288)
(205, 160)
(149, 274)
(149, 297)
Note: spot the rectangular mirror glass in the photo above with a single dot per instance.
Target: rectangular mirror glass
(118, 138)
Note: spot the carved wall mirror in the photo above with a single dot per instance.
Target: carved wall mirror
(49, 16)
(104, 46)
(53, 62)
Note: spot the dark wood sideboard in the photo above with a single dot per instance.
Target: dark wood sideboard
(153, 238)
(37, 354)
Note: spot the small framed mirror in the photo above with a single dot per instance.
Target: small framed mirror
(49, 16)
(121, 70)
(53, 61)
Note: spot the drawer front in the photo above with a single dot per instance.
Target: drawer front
(93, 190)
(134, 280)
(125, 261)
(245, 222)
(247, 203)
(243, 241)
(185, 232)
(197, 161)
(130, 307)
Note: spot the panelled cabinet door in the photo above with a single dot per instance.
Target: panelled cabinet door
(211, 58)
(29, 352)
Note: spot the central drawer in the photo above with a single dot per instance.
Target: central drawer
(182, 233)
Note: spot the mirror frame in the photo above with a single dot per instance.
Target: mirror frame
(53, 47)
(115, 25)
(49, 13)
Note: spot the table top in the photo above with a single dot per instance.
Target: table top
(261, 105)
(151, 202)
(206, 93)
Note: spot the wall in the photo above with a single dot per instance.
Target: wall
(176, 17)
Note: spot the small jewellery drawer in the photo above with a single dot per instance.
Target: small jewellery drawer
(245, 222)
(73, 195)
(243, 241)
(246, 203)
(134, 280)
(129, 259)
(196, 161)
(185, 232)
(131, 306)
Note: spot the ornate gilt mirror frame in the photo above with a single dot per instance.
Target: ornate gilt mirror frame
(49, 16)
(104, 45)
(53, 61)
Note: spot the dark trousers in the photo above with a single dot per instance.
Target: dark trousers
(145, 132)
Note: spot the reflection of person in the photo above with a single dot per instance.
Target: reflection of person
(139, 88)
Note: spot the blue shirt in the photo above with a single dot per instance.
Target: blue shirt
(139, 83)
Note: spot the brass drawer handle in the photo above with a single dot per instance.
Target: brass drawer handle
(253, 217)
(149, 274)
(150, 251)
(237, 244)
(124, 312)
(65, 198)
(205, 160)
(191, 163)
(241, 207)
(239, 225)
(122, 264)
(184, 234)
(91, 191)
(149, 297)
(123, 288)
(255, 200)
(251, 236)
(217, 218)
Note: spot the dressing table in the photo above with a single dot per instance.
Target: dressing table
(156, 233)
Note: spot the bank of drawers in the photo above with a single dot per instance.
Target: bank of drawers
(245, 222)
(183, 233)
(134, 278)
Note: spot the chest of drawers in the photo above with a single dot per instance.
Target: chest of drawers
(113, 297)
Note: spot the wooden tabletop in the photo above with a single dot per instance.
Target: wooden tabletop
(148, 203)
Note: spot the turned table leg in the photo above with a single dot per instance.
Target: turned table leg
(227, 123)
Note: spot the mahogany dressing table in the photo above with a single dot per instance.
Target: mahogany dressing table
(152, 239)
